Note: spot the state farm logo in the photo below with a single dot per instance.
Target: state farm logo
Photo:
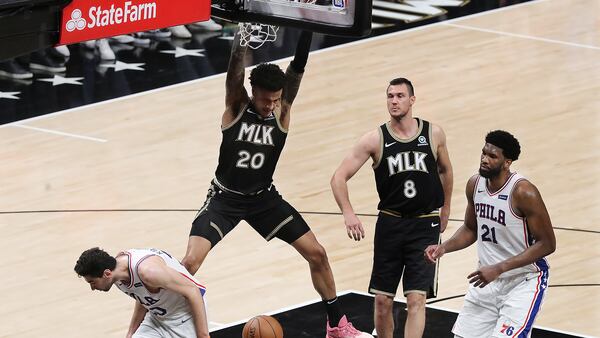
(115, 15)
(76, 22)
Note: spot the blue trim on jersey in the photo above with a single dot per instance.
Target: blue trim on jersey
(543, 285)
(542, 264)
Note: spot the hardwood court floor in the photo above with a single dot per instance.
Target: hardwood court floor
(533, 70)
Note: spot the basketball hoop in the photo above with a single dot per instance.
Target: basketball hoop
(254, 35)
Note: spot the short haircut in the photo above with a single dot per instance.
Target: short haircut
(267, 76)
(400, 80)
(93, 262)
(510, 146)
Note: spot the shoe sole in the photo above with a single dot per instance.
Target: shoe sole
(16, 76)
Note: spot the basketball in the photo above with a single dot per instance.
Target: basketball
(262, 327)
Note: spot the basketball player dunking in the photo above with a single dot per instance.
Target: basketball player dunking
(507, 218)
(254, 132)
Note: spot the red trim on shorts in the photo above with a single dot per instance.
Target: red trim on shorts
(537, 292)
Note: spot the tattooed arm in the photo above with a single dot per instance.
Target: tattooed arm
(235, 93)
(293, 76)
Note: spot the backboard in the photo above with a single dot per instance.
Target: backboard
(333, 17)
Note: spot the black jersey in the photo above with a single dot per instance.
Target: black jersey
(249, 152)
(407, 176)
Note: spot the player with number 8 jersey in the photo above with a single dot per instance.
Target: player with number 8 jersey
(406, 174)
(414, 181)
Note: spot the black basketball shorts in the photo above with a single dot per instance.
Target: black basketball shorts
(399, 247)
(267, 212)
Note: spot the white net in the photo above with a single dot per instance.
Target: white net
(254, 35)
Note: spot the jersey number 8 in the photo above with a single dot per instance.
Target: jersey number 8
(410, 190)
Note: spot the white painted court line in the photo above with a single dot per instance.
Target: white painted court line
(359, 42)
(522, 36)
(213, 325)
(50, 131)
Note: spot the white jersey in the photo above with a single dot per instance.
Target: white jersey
(501, 234)
(165, 304)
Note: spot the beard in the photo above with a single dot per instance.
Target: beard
(490, 173)
(107, 288)
(399, 114)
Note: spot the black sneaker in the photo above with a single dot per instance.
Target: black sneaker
(13, 70)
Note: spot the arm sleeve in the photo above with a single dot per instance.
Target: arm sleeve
(302, 49)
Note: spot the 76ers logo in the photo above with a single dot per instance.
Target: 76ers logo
(507, 330)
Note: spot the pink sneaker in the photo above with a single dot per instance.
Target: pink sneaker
(345, 330)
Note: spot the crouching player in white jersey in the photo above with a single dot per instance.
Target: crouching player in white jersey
(166, 295)
(507, 217)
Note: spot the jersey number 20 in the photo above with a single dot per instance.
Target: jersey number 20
(254, 161)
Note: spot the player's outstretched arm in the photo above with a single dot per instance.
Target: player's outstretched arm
(293, 76)
(139, 312)
(464, 236)
(236, 95)
(155, 273)
(445, 172)
(366, 147)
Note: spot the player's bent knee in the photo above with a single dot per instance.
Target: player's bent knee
(318, 255)
(383, 303)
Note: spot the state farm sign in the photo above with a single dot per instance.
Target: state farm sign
(93, 19)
